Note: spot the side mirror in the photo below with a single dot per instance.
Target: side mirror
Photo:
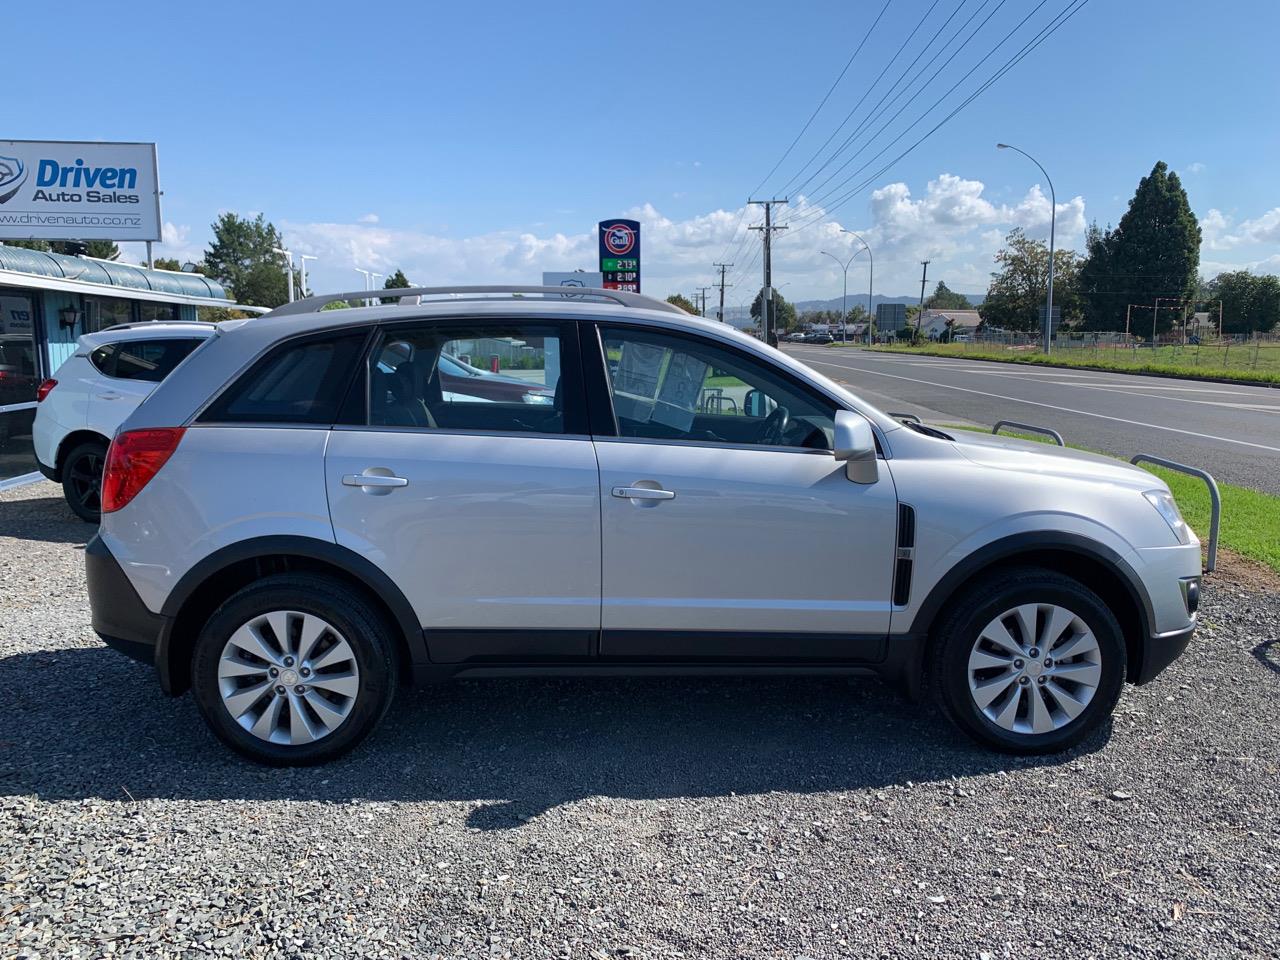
(855, 444)
(757, 404)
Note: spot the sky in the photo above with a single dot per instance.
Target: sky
(481, 143)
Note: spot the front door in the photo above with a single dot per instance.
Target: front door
(473, 485)
(729, 530)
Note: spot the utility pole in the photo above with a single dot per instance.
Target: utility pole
(766, 300)
(722, 267)
(923, 275)
(702, 312)
(304, 257)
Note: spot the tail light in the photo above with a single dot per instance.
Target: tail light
(133, 458)
(42, 391)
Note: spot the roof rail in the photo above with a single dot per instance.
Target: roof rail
(141, 324)
(634, 300)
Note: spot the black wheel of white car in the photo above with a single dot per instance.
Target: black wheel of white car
(294, 669)
(1029, 662)
(82, 479)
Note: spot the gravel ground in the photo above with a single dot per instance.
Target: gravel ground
(680, 818)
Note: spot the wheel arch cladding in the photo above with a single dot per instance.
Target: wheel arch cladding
(208, 584)
(1093, 564)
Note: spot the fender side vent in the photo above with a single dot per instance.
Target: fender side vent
(905, 555)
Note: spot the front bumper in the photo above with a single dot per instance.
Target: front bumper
(119, 616)
(1160, 650)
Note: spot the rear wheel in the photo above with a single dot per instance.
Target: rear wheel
(294, 669)
(82, 479)
(1029, 661)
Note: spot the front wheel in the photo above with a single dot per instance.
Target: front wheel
(294, 669)
(1029, 662)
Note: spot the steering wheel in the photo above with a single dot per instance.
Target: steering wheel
(775, 425)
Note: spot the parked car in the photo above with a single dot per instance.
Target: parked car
(819, 338)
(93, 392)
(462, 378)
(305, 519)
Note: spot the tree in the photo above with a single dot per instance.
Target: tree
(397, 281)
(166, 263)
(241, 258)
(1153, 252)
(1249, 304)
(784, 313)
(1016, 298)
(683, 302)
(41, 245)
(944, 298)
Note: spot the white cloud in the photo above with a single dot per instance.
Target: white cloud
(1195, 167)
(369, 218)
(1218, 234)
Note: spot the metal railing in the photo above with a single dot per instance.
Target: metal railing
(1030, 428)
(1215, 499)
(633, 300)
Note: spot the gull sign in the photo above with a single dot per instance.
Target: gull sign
(65, 190)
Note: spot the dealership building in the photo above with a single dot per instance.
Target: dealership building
(47, 300)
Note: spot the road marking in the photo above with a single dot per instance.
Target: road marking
(1113, 386)
(1054, 406)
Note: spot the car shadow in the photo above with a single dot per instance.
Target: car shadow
(45, 519)
(513, 748)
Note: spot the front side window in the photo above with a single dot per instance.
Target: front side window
(147, 360)
(297, 382)
(681, 388)
(505, 378)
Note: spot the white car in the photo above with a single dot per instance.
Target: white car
(94, 391)
(303, 517)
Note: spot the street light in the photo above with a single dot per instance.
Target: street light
(1053, 217)
(871, 280)
(844, 297)
(366, 282)
(288, 255)
(303, 258)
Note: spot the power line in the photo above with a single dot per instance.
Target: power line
(826, 97)
(1045, 32)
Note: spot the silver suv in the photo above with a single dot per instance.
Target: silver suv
(308, 515)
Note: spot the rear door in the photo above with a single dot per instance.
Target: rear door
(478, 497)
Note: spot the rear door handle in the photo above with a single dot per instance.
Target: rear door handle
(643, 493)
(109, 396)
(373, 480)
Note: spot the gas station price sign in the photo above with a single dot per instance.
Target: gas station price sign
(620, 254)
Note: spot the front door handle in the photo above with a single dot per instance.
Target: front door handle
(643, 493)
(109, 396)
(378, 480)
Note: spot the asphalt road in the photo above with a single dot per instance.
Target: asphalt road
(1231, 430)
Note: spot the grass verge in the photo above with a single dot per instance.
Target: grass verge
(1250, 523)
(1168, 361)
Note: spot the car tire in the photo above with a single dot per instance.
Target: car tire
(82, 479)
(992, 676)
(328, 682)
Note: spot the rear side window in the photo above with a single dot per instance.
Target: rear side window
(147, 360)
(297, 382)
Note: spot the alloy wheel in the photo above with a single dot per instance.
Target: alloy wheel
(288, 677)
(85, 473)
(1034, 668)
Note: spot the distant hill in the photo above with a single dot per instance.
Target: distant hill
(856, 300)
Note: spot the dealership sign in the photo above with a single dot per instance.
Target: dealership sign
(60, 190)
(620, 254)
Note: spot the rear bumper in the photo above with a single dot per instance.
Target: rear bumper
(120, 618)
(1160, 650)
